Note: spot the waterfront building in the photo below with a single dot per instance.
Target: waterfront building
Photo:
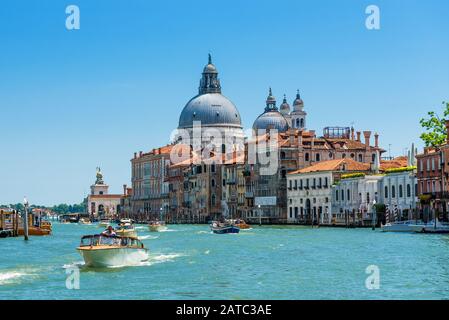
(430, 182)
(310, 191)
(391, 183)
(150, 188)
(126, 203)
(101, 204)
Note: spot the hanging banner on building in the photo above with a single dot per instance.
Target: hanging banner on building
(265, 201)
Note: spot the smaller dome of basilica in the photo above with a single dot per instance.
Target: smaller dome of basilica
(271, 118)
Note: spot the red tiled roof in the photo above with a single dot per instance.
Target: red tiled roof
(398, 162)
(335, 165)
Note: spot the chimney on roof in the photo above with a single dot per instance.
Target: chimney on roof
(135, 155)
(352, 133)
(367, 135)
(140, 153)
(376, 140)
(358, 136)
(124, 189)
(447, 131)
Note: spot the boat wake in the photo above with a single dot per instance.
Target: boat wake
(147, 237)
(161, 258)
(77, 264)
(16, 277)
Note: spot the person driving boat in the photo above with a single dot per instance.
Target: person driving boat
(109, 232)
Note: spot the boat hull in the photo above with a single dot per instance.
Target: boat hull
(34, 231)
(113, 257)
(243, 226)
(225, 230)
(398, 228)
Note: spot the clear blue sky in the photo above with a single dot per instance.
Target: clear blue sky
(73, 100)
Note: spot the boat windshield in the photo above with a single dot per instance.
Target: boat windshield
(101, 240)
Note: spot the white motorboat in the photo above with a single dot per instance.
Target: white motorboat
(157, 226)
(126, 230)
(84, 221)
(104, 223)
(107, 251)
(401, 226)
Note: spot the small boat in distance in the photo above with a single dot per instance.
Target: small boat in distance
(84, 221)
(223, 227)
(104, 223)
(112, 251)
(240, 223)
(126, 230)
(157, 226)
(401, 226)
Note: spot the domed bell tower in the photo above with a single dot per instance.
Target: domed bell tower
(209, 82)
(298, 115)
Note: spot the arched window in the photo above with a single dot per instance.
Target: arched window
(386, 191)
(306, 156)
(409, 191)
(297, 123)
(343, 155)
(401, 194)
(336, 195)
(317, 157)
(342, 195)
(213, 182)
(301, 123)
(367, 197)
(213, 200)
(282, 155)
(352, 156)
(223, 148)
(360, 158)
(373, 157)
(393, 192)
(348, 194)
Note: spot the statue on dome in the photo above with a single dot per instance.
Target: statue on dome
(99, 177)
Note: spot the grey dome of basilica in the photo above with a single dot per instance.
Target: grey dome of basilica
(210, 106)
(271, 118)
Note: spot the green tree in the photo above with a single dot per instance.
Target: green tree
(435, 128)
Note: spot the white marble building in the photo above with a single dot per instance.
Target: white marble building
(309, 197)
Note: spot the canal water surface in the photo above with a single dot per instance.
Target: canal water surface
(189, 262)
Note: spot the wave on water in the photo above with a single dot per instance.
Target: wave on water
(203, 232)
(140, 228)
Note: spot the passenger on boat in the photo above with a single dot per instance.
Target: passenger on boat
(109, 232)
